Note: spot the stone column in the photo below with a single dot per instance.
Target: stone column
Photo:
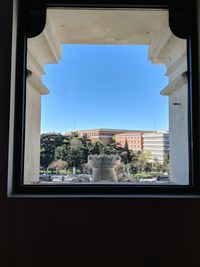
(167, 49)
(178, 122)
(43, 49)
(34, 91)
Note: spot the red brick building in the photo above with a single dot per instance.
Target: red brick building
(103, 135)
(134, 139)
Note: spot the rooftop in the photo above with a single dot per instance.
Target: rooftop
(136, 132)
(121, 131)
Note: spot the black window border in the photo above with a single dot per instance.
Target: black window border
(31, 17)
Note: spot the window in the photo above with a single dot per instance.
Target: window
(164, 47)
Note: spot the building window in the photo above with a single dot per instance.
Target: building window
(82, 27)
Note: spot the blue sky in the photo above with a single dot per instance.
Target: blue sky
(104, 86)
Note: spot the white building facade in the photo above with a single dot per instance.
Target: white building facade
(157, 144)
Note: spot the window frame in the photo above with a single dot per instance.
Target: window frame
(108, 190)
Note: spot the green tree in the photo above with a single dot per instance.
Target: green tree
(157, 166)
(140, 162)
(61, 152)
(133, 168)
(147, 166)
(166, 163)
(75, 153)
(94, 148)
(86, 144)
(49, 142)
(147, 155)
(74, 135)
(126, 145)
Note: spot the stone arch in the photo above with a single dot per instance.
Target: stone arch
(101, 27)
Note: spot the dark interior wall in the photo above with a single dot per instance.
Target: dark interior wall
(108, 233)
(101, 232)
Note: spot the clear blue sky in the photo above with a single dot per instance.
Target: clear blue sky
(104, 86)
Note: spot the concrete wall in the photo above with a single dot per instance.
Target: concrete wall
(83, 232)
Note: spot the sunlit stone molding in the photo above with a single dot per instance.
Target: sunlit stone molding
(167, 49)
(100, 27)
